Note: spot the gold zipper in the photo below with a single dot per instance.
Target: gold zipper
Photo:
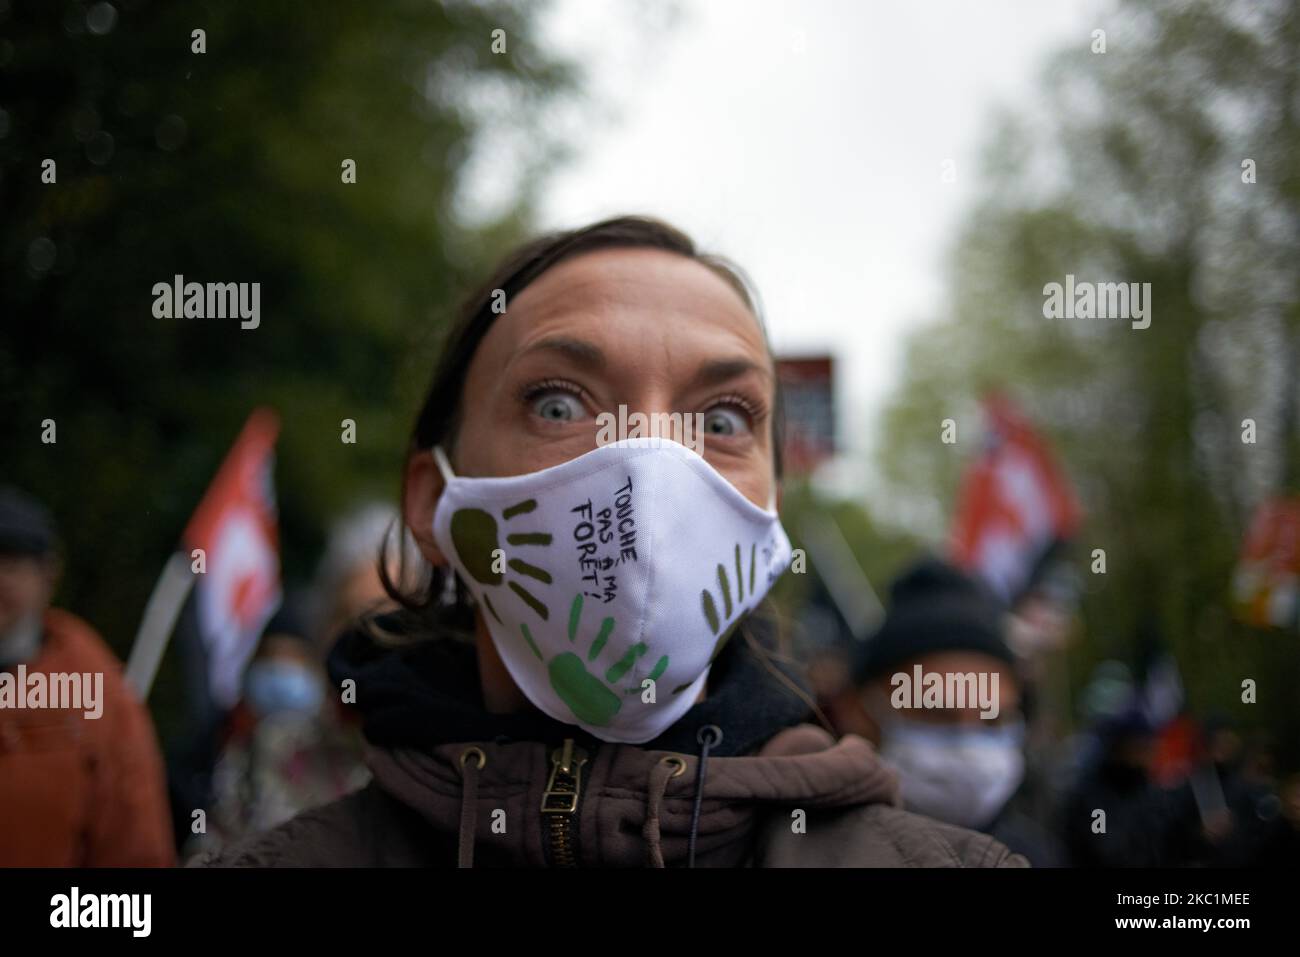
(560, 803)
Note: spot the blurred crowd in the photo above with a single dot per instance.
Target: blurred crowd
(1133, 779)
(99, 793)
(1130, 777)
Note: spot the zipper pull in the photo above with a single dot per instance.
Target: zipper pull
(565, 784)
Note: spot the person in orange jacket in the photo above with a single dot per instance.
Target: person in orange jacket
(81, 776)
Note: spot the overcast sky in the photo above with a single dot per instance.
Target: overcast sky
(806, 141)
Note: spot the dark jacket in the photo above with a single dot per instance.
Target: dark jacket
(455, 784)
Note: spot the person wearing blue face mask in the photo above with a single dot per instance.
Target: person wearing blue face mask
(937, 689)
(285, 749)
(283, 686)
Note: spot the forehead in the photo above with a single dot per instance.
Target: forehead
(638, 298)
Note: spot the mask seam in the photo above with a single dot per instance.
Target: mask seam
(740, 503)
(550, 486)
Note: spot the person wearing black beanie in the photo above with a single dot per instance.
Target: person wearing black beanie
(934, 607)
(936, 689)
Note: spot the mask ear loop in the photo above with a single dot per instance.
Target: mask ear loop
(444, 466)
(450, 583)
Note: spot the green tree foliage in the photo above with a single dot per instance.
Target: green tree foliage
(1130, 169)
(226, 166)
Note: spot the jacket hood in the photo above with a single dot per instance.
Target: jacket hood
(482, 781)
(633, 807)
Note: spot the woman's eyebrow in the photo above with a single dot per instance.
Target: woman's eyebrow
(580, 351)
(720, 370)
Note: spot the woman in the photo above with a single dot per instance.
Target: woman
(561, 688)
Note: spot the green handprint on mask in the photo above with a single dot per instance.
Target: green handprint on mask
(591, 697)
(474, 534)
(725, 620)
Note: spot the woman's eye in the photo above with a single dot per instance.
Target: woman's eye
(556, 406)
(724, 421)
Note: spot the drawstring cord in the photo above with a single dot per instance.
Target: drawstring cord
(709, 736)
(469, 803)
(666, 768)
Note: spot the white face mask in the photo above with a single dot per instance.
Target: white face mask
(958, 775)
(609, 583)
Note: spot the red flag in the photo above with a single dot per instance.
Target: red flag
(1265, 583)
(236, 526)
(1014, 503)
(1177, 751)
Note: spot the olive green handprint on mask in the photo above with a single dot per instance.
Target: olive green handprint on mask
(475, 535)
(731, 614)
(592, 697)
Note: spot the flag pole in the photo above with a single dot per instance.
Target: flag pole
(160, 615)
(846, 583)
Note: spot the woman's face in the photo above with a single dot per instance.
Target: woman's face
(648, 329)
(654, 331)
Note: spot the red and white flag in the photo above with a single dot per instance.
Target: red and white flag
(1266, 581)
(1015, 502)
(236, 526)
